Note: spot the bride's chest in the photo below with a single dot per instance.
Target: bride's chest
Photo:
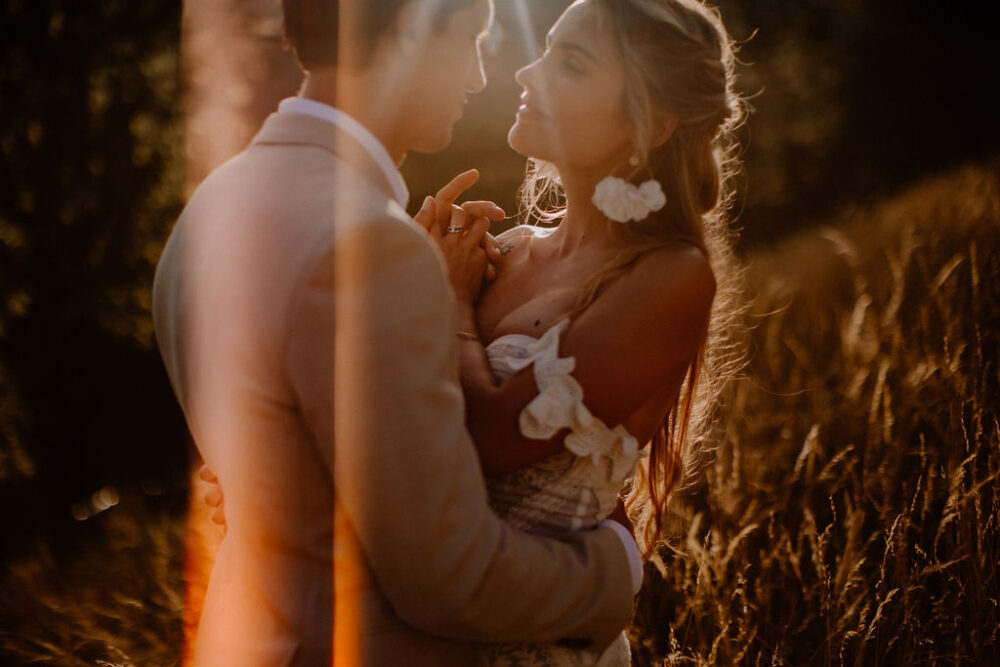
(524, 303)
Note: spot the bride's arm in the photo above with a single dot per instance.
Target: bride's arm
(501, 449)
(635, 342)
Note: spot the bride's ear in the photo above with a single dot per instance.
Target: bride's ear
(664, 126)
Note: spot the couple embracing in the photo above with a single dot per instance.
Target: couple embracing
(421, 431)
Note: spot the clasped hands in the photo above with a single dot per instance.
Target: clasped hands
(461, 233)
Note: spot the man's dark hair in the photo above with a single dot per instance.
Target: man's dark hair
(313, 27)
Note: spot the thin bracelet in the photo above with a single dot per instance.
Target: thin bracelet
(468, 335)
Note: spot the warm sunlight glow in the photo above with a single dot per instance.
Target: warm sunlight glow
(526, 26)
(201, 543)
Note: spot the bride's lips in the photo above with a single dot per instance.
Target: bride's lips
(529, 112)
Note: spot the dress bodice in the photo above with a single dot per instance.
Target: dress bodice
(573, 490)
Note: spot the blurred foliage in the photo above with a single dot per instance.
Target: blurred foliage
(855, 99)
(117, 599)
(90, 142)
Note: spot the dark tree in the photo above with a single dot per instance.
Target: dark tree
(91, 182)
(854, 100)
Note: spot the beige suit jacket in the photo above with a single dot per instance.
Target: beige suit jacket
(306, 325)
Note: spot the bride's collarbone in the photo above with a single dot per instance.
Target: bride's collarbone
(532, 293)
(521, 313)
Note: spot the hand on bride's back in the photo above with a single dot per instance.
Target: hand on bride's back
(214, 497)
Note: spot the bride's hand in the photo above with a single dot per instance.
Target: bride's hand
(214, 497)
(461, 244)
(435, 214)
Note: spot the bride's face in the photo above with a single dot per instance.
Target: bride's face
(572, 109)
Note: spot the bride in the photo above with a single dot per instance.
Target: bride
(592, 338)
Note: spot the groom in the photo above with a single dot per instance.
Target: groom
(306, 325)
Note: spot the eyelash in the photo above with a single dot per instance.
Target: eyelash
(570, 63)
(573, 65)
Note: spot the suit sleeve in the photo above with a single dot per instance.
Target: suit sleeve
(374, 328)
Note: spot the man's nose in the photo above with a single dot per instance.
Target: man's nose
(477, 78)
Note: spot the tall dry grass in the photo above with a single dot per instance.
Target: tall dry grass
(109, 594)
(851, 515)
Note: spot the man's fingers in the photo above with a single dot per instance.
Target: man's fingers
(214, 497)
(484, 209)
(447, 195)
(206, 474)
(219, 516)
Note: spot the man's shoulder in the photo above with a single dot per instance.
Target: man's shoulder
(304, 192)
(385, 245)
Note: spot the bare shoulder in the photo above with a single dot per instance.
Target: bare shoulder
(517, 237)
(676, 280)
(515, 232)
(522, 232)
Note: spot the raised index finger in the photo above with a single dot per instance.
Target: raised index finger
(447, 195)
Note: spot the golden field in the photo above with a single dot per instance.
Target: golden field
(850, 513)
(846, 514)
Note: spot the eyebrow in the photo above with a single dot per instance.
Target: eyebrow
(571, 46)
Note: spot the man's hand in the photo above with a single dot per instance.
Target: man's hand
(619, 515)
(214, 497)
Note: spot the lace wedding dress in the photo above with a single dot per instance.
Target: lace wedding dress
(573, 490)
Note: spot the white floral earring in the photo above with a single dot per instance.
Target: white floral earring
(623, 202)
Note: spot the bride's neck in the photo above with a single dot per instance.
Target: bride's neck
(583, 225)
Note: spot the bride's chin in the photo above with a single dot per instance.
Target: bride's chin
(520, 143)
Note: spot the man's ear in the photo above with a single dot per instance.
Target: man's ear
(664, 126)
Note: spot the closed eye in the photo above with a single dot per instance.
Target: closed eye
(574, 65)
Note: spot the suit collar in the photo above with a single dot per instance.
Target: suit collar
(286, 128)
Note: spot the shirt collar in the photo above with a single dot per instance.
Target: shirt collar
(359, 132)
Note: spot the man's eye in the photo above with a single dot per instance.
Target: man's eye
(574, 65)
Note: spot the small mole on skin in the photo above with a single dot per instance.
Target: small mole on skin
(537, 322)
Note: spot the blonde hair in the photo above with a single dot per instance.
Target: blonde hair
(679, 60)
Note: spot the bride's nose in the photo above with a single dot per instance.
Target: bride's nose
(527, 75)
